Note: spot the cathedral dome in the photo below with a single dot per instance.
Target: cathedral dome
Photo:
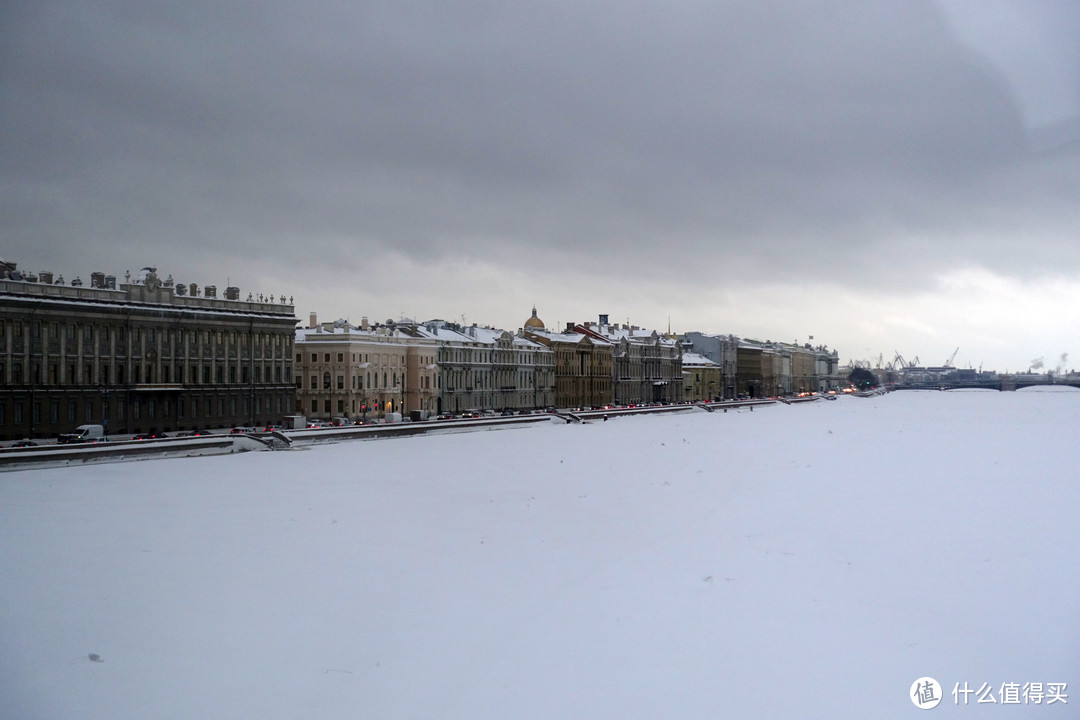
(534, 323)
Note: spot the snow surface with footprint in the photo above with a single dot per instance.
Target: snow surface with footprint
(794, 561)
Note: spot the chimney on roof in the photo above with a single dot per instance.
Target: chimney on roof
(364, 323)
(313, 320)
(603, 320)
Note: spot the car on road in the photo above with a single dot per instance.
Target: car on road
(83, 434)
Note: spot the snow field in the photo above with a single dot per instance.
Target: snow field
(803, 561)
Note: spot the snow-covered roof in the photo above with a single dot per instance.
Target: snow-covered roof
(693, 359)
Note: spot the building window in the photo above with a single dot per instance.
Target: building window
(71, 411)
(340, 382)
(340, 406)
(326, 405)
(135, 409)
(18, 413)
(314, 382)
(151, 409)
(326, 357)
(326, 382)
(314, 357)
(179, 407)
(341, 357)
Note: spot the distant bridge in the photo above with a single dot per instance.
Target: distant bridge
(1004, 382)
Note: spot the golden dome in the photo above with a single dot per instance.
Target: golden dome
(534, 323)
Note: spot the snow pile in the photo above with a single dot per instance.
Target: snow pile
(804, 561)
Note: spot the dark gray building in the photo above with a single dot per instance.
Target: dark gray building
(148, 355)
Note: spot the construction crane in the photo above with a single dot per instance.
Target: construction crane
(949, 362)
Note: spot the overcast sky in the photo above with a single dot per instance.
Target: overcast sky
(885, 176)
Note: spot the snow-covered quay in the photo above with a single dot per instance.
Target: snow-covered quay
(804, 561)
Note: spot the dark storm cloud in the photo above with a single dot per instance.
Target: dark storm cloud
(756, 135)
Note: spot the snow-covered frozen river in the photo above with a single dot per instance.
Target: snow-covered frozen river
(802, 561)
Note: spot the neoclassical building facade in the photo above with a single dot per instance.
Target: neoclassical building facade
(364, 372)
(144, 354)
(647, 366)
(583, 364)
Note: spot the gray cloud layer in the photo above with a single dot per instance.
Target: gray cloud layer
(762, 136)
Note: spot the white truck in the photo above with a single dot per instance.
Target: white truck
(83, 434)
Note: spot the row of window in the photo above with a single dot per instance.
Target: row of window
(358, 381)
(380, 358)
(53, 330)
(148, 373)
